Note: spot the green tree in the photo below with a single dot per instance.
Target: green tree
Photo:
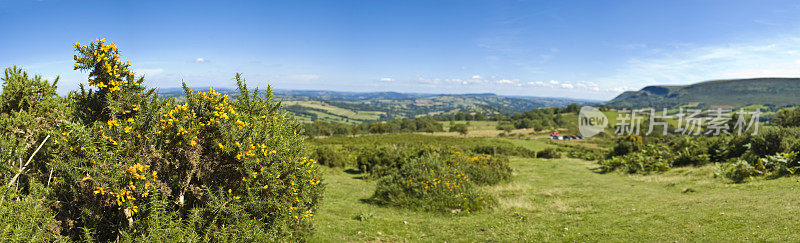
(460, 128)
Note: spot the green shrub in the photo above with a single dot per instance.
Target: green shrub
(481, 169)
(650, 158)
(430, 183)
(24, 217)
(689, 151)
(768, 141)
(581, 152)
(382, 160)
(626, 144)
(739, 171)
(460, 128)
(509, 150)
(123, 164)
(330, 156)
(788, 117)
(781, 164)
(548, 153)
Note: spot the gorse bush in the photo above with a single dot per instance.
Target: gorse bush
(380, 161)
(626, 144)
(482, 169)
(432, 184)
(548, 153)
(330, 156)
(433, 178)
(123, 164)
(29, 108)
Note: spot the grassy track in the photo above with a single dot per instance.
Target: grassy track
(564, 200)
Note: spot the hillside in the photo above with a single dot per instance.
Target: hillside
(734, 92)
(355, 107)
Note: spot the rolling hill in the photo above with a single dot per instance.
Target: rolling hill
(732, 92)
(356, 107)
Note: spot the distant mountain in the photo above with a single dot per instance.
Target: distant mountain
(732, 92)
(354, 107)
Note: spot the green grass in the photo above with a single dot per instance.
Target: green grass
(533, 144)
(564, 200)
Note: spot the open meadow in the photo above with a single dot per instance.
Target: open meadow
(569, 200)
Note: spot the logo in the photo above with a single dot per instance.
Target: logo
(591, 121)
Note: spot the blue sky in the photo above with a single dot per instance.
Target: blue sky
(577, 49)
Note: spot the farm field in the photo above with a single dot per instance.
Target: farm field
(568, 200)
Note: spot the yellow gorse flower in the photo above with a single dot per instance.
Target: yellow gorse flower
(112, 123)
(100, 190)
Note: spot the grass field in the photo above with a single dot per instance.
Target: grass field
(566, 200)
(334, 113)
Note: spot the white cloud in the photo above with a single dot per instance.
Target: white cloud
(387, 79)
(775, 57)
(567, 86)
(538, 84)
(753, 73)
(587, 85)
(477, 79)
(200, 60)
(618, 89)
(428, 81)
(505, 81)
(148, 71)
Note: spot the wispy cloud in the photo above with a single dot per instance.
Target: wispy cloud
(200, 60)
(148, 71)
(387, 79)
(777, 57)
(618, 89)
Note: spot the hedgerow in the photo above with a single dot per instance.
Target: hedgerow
(119, 163)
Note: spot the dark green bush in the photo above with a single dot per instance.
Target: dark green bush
(649, 158)
(689, 151)
(379, 161)
(482, 169)
(781, 164)
(769, 140)
(509, 150)
(548, 153)
(739, 171)
(430, 183)
(330, 156)
(626, 144)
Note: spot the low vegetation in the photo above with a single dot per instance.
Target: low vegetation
(115, 162)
